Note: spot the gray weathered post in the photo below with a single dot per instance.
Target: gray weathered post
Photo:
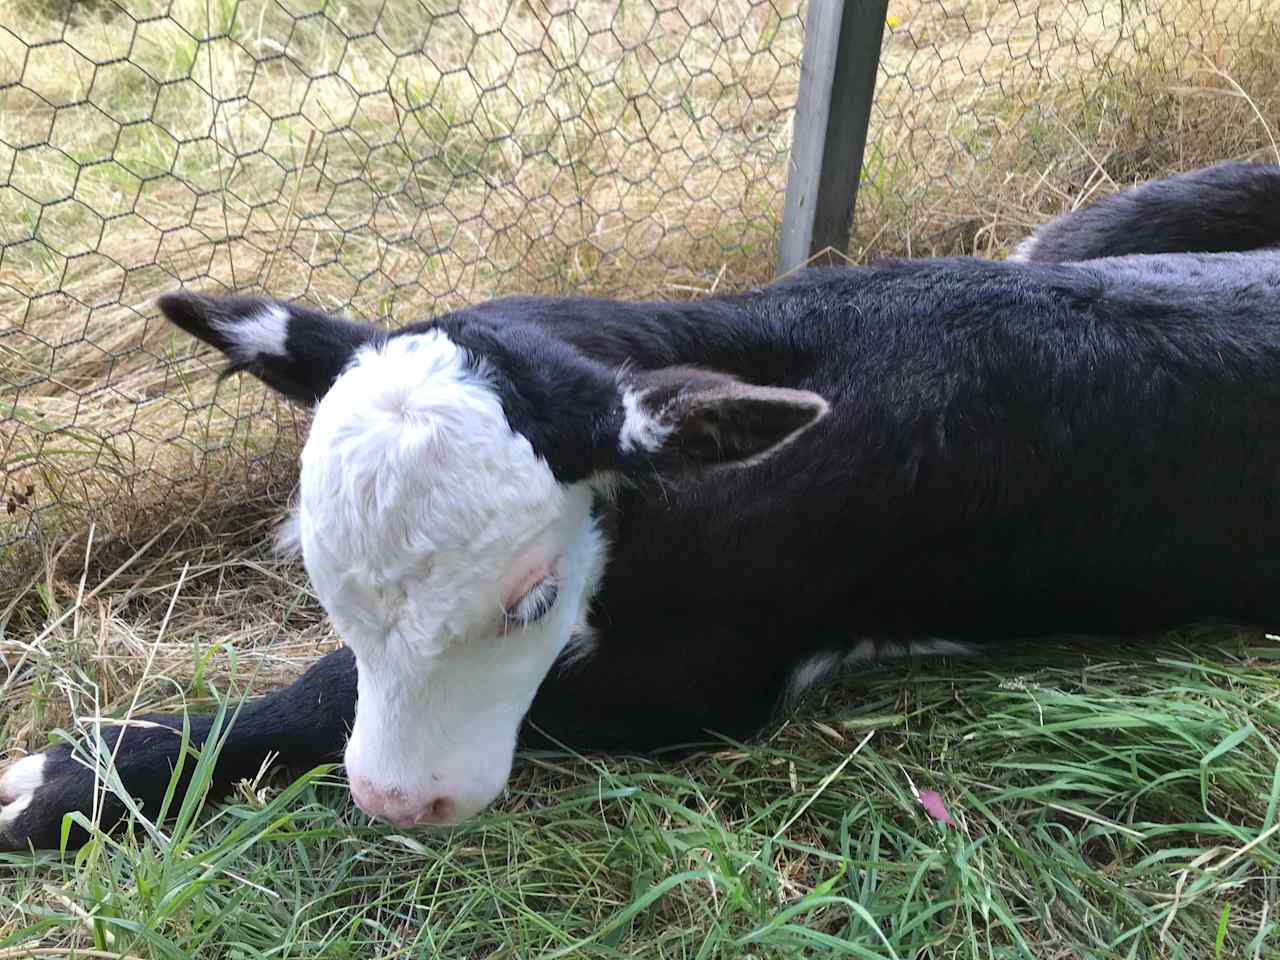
(837, 79)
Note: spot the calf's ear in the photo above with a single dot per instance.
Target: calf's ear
(685, 418)
(296, 350)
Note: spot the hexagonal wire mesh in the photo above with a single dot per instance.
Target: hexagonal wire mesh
(992, 115)
(396, 159)
(391, 160)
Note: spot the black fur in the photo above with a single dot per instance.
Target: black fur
(1012, 450)
(318, 345)
(539, 380)
(1229, 206)
(306, 723)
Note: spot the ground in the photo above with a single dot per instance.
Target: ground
(1105, 800)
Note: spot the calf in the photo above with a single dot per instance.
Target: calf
(626, 525)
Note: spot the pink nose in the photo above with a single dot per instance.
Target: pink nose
(397, 809)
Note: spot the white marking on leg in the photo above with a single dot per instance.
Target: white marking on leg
(261, 333)
(18, 786)
(10, 812)
(811, 671)
(938, 647)
(22, 776)
(863, 651)
(641, 429)
(823, 665)
(1023, 252)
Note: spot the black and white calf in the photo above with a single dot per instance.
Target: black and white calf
(626, 525)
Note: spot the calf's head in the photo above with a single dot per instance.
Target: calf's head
(445, 513)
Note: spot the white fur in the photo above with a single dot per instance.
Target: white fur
(640, 430)
(288, 539)
(582, 645)
(1023, 252)
(420, 510)
(863, 651)
(938, 647)
(18, 785)
(811, 671)
(260, 333)
(823, 665)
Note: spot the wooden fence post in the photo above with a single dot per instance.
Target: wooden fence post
(837, 80)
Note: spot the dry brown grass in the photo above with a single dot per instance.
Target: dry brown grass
(200, 602)
(535, 148)
(530, 149)
(548, 155)
(1015, 112)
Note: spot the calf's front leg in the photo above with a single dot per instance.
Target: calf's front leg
(304, 724)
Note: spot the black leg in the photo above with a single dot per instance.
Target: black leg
(305, 724)
(631, 695)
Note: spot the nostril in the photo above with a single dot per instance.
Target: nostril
(392, 806)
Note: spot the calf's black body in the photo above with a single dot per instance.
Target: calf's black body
(1011, 450)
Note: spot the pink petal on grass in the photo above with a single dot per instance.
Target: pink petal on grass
(933, 805)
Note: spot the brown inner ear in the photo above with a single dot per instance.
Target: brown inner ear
(741, 421)
(715, 418)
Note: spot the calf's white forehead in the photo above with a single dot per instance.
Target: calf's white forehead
(420, 509)
(416, 495)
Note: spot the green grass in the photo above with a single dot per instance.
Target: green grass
(1102, 809)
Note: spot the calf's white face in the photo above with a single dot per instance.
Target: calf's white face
(452, 563)
(445, 514)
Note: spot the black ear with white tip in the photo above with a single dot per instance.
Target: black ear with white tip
(295, 350)
(685, 418)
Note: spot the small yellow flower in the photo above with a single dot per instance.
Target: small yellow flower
(892, 21)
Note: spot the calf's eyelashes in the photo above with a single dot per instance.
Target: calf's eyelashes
(532, 605)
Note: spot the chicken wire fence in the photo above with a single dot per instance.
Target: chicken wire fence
(394, 160)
